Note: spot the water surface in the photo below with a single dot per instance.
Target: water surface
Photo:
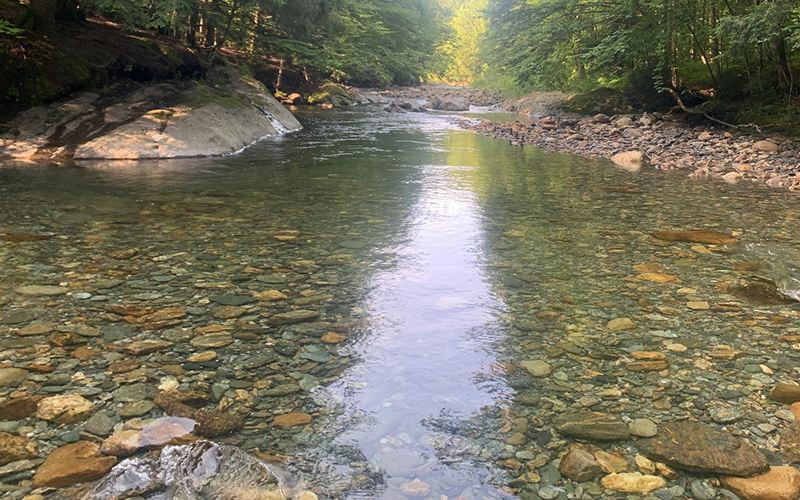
(464, 255)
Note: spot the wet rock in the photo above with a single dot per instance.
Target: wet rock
(761, 293)
(13, 448)
(65, 409)
(702, 448)
(41, 290)
(231, 300)
(579, 465)
(100, 424)
(72, 464)
(209, 423)
(790, 443)
(143, 347)
(647, 366)
(19, 408)
(199, 470)
(228, 312)
(12, 377)
(703, 489)
(611, 463)
(632, 482)
(779, 483)
(785, 393)
(292, 420)
(629, 160)
(643, 427)
(618, 324)
(415, 488)
(270, 296)
(765, 146)
(122, 444)
(213, 340)
(133, 393)
(136, 409)
(292, 317)
(592, 425)
(186, 397)
(537, 368)
(448, 103)
(725, 415)
(707, 237)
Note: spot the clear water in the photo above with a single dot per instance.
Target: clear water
(456, 241)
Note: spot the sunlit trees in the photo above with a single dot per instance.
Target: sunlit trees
(660, 43)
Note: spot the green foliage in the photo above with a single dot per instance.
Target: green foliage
(8, 29)
(645, 45)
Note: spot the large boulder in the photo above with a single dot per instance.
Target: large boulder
(153, 122)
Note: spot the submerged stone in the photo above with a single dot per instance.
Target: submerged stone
(198, 470)
(593, 426)
(702, 448)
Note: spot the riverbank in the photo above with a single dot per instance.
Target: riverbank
(635, 140)
(222, 114)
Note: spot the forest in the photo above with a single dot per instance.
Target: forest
(721, 52)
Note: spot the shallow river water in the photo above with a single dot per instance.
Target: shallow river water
(434, 262)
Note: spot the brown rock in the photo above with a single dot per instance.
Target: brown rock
(209, 424)
(213, 340)
(647, 366)
(617, 324)
(579, 465)
(142, 347)
(765, 146)
(292, 420)
(648, 355)
(291, 317)
(790, 443)
(124, 366)
(785, 393)
(333, 338)
(13, 448)
(629, 160)
(415, 488)
(702, 448)
(707, 237)
(187, 397)
(12, 377)
(780, 483)
(64, 409)
(17, 409)
(270, 296)
(761, 293)
(592, 425)
(166, 430)
(794, 408)
(72, 464)
(611, 463)
(134, 310)
(122, 444)
(632, 482)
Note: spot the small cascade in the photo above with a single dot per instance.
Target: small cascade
(279, 127)
(779, 263)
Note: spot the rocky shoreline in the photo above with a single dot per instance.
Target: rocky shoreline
(662, 142)
(656, 140)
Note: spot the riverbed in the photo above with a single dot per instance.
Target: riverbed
(418, 302)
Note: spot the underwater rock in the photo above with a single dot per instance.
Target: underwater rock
(201, 470)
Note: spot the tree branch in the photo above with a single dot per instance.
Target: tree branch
(695, 112)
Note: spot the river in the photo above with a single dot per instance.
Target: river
(435, 262)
